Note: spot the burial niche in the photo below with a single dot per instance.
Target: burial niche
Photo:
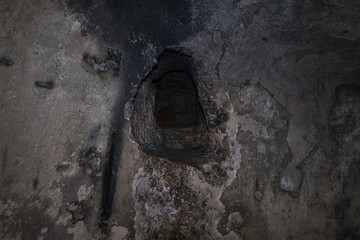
(168, 120)
(176, 101)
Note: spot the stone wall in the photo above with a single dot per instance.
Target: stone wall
(270, 149)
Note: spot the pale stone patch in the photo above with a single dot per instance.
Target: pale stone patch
(80, 232)
(118, 233)
(84, 192)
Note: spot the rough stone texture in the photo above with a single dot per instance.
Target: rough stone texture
(279, 86)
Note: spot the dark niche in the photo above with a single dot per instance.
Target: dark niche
(176, 101)
(168, 119)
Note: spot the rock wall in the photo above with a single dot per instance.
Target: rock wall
(274, 153)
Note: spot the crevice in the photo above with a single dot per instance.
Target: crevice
(45, 84)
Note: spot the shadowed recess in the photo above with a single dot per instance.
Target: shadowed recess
(168, 120)
(176, 104)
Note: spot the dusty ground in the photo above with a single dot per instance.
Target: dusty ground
(279, 86)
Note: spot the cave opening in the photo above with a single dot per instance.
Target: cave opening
(168, 119)
(176, 101)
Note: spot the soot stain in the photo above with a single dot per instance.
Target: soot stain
(35, 183)
(133, 26)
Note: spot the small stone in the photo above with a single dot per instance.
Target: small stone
(76, 210)
(72, 206)
(258, 195)
(290, 181)
(94, 163)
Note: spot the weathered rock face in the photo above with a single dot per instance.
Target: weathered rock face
(180, 119)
